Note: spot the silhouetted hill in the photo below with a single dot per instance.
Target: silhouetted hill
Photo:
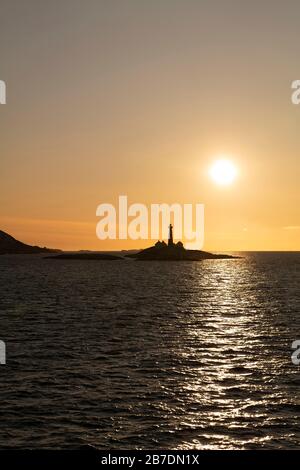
(175, 252)
(9, 245)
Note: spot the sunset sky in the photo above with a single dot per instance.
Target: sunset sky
(140, 98)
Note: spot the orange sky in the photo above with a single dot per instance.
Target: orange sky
(139, 98)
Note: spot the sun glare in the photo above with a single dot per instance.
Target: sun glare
(223, 172)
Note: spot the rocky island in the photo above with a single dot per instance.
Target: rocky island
(171, 251)
(86, 256)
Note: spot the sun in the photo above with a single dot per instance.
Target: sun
(223, 172)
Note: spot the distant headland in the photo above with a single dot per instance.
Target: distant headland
(9, 245)
(161, 251)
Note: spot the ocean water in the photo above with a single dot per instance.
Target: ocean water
(150, 355)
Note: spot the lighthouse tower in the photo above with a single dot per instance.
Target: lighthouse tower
(170, 239)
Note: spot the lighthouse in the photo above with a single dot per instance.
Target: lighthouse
(170, 239)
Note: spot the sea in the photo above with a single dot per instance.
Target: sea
(150, 354)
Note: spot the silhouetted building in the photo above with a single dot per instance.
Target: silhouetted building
(173, 252)
(160, 244)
